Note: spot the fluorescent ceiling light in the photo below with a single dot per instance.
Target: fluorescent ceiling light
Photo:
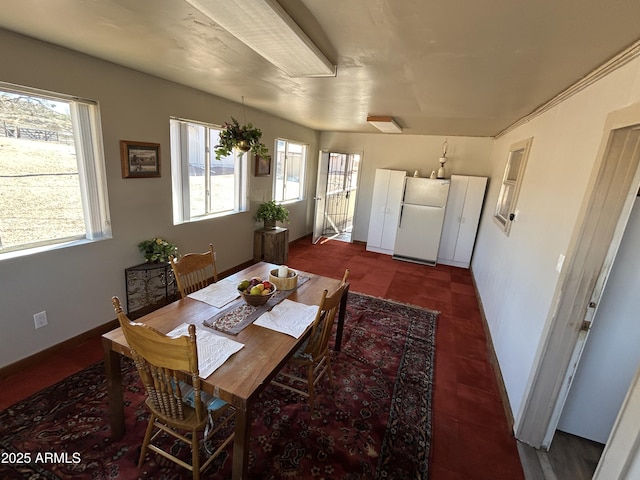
(264, 26)
(385, 124)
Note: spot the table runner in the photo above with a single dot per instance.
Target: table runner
(238, 315)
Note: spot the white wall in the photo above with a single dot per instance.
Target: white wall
(516, 275)
(74, 285)
(467, 156)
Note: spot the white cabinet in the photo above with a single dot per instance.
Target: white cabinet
(464, 205)
(385, 210)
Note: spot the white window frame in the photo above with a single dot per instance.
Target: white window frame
(181, 195)
(89, 150)
(303, 171)
(506, 205)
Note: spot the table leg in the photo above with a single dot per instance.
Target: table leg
(343, 309)
(240, 444)
(114, 390)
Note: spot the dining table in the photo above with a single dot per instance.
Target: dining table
(241, 378)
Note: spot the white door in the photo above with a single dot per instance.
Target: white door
(336, 195)
(321, 194)
(453, 217)
(469, 219)
(612, 353)
(392, 210)
(378, 208)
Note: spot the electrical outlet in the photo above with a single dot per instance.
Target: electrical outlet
(40, 319)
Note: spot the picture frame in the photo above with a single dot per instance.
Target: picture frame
(139, 159)
(263, 166)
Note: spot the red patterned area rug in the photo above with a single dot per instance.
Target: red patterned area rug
(373, 421)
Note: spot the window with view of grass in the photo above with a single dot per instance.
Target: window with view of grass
(52, 177)
(290, 165)
(203, 186)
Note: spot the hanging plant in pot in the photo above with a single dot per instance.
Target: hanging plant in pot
(270, 213)
(244, 138)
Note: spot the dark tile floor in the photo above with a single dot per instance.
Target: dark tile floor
(471, 436)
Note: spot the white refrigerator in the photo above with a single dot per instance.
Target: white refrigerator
(421, 218)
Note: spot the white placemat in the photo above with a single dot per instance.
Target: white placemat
(288, 317)
(213, 350)
(217, 294)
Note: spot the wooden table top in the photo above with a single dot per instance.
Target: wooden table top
(265, 351)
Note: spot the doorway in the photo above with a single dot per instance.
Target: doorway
(593, 247)
(336, 195)
(596, 395)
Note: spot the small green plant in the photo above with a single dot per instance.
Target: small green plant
(272, 212)
(157, 250)
(245, 138)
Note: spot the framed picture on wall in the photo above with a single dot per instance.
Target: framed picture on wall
(263, 166)
(139, 159)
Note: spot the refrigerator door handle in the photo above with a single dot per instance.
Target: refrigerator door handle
(400, 216)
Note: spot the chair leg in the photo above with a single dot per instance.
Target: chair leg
(311, 389)
(147, 439)
(195, 455)
(329, 371)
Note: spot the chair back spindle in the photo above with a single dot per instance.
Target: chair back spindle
(194, 271)
(164, 363)
(314, 354)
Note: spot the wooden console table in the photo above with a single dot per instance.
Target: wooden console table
(271, 245)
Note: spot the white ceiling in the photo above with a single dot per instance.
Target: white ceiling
(441, 67)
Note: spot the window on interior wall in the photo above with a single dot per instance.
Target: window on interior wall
(203, 186)
(52, 173)
(513, 173)
(290, 167)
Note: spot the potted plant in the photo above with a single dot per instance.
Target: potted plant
(270, 212)
(157, 250)
(244, 138)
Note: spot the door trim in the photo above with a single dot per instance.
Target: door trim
(604, 214)
(622, 451)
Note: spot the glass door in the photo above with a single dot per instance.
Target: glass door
(335, 206)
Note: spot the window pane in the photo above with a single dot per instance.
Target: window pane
(504, 202)
(294, 172)
(290, 164)
(197, 174)
(40, 195)
(214, 186)
(515, 160)
(513, 173)
(279, 170)
(222, 180)
(335, 177)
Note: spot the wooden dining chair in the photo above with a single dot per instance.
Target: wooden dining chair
(175, 405)
(194, 271)
(312, 357)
